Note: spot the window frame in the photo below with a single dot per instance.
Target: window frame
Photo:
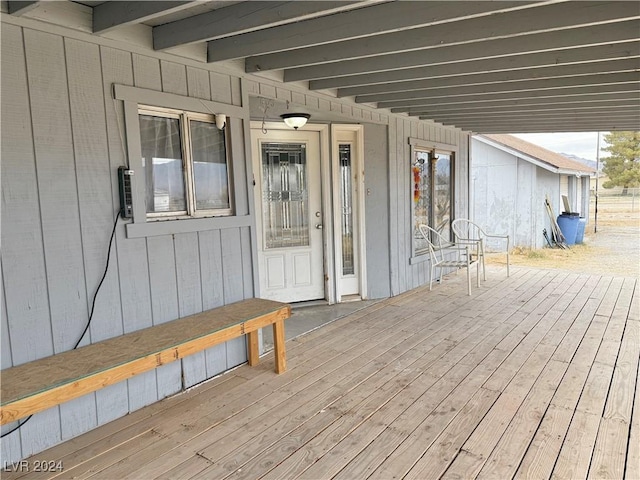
(127, 99)
(185, 117)
(432, 148)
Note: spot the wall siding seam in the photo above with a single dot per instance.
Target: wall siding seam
(75, 171)
(113, 197)
(153, 320)
(111, 158)
(5, 313)
(37, 183)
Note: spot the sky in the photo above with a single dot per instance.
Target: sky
(582, 144)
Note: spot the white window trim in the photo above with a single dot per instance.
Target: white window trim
(185, 118)
(140, 226)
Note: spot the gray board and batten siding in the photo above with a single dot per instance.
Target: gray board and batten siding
(63, 138)
(59, 203)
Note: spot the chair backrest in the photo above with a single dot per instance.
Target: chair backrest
(465, 229)
(435, 241)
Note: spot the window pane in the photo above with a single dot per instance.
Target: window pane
(209, 166)
(162, 164)
(347, 209)
(285, 195)
(421, 177)
(442, 204)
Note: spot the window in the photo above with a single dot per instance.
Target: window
(184, 162)
(432, 174)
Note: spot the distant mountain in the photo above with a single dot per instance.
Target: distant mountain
(585, 161)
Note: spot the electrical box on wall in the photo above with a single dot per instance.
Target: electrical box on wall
(125, 188)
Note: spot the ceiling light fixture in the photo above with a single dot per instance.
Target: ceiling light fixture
(295, 120)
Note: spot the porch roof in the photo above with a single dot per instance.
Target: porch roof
(532, 376)
(486, 67)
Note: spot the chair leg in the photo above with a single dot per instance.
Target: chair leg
(484, 270)
(507, 263)
(431, 278)
(468, 271)
(478, 274)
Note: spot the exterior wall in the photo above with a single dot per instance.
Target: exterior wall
(62, 141)
(377, 210)
(564, 186)
(63, 137)
(508, 195)
(548, 183)
(524, 229)
(407, 272)
(497, 199)
(585, 197)
(577, 190)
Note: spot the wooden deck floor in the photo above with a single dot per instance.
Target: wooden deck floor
(535, 376)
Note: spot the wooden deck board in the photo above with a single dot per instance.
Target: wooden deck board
(390, 438)
(189, 432)
(533, 376)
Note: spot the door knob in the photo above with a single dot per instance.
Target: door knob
(319, 226)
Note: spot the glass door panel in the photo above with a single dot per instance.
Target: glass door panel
(285, 195)
(346, 224)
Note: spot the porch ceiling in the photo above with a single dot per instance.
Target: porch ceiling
(487, 67)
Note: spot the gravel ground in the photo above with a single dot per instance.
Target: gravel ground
(613, 250)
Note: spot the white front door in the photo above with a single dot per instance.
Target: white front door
(286, 168)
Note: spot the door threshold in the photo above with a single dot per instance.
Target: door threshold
(350, 298)
(308, 303)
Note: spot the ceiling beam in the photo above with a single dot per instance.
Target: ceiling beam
(558, 129)
(19, 7)
(528, 96)
(550, 85)
(515, 76)
(550, 102)
(541, 60)
(534, 113)
(506, 110)
(539, 18)
(361, 23)
(558, 126)
(611, 100)
(525, 44)
(109, 15)
(634, 120)
(575, 120)
(241, 18)
(551, 125)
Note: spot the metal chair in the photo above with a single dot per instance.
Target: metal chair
(438, 246)
(470, 233)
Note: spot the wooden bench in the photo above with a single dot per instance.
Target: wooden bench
(35, 386)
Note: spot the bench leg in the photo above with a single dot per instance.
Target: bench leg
(278, 343)
(254, 353)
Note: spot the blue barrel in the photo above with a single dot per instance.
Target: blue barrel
(569, 227)
(580, 233)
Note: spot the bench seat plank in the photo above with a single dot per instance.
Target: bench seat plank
(40, 384)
